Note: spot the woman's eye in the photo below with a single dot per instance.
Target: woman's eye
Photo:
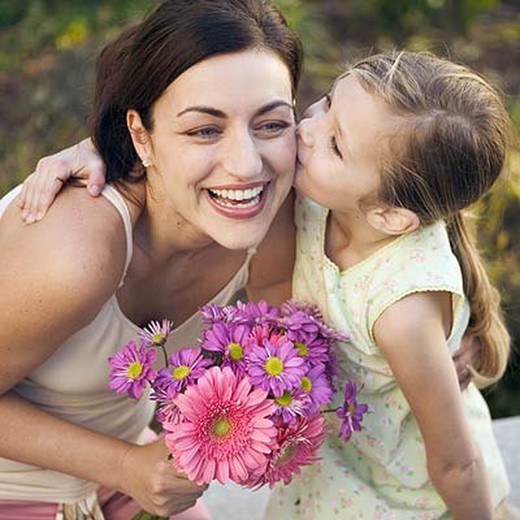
(273, 128)
(204, 133)
(334, 146)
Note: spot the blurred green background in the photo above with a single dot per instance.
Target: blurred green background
(47, 50)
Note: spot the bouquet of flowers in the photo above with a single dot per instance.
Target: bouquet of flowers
(246, 404)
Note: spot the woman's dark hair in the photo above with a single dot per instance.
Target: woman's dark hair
(134, 70)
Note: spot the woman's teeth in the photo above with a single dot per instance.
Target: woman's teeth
(237, 198)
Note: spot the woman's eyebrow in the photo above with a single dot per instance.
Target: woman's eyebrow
(271, 106)
(215, 112)
(203, 110)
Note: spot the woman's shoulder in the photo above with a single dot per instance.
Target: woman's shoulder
(80, 238)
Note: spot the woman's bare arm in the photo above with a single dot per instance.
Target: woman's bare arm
(54, 279)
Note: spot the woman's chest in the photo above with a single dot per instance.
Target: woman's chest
(178, 289)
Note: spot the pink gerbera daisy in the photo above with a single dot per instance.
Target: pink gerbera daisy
(225, 432)
(132, 369)
(297, 445)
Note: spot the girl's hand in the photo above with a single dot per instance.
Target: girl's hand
(150, 478)
(467, 355)
(80, 161)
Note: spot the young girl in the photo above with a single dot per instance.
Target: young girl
(390, 158)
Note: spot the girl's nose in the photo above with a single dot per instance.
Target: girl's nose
(305, 132)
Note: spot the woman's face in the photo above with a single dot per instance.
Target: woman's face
(223, 147)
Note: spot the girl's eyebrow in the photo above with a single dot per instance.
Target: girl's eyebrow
(203, 109)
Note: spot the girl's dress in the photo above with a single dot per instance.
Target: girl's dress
(381, 472)
(73, 384)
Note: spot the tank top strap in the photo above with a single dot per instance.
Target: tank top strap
(117, 200)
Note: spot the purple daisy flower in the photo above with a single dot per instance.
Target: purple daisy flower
(167, 411)
(230, 341)
(276, 368)
(132, 369)
(351, 413)
(155, 333)
(316, 385)
(292, 404)
(184, 368)
(214, 313)
(258, 313)
(313, 348)
(307, 318)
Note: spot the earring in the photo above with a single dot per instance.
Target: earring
(146, 162)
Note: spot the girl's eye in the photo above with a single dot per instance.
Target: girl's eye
(328, 100)
(334, 146)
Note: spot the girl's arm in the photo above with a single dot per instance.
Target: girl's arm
(411, 335)
(80, 161)
(54, 280)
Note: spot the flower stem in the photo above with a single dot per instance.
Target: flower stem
(165, 354)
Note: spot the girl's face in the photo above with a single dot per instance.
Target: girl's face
(341, 145)
(223, 148)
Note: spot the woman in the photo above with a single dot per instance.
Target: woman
(200, 164)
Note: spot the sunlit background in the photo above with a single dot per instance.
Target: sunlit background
(47, 49)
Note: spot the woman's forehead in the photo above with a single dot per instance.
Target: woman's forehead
(250, 77)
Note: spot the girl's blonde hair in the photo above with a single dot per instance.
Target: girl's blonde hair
(451, 148)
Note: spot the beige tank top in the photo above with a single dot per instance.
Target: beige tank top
(73, 382)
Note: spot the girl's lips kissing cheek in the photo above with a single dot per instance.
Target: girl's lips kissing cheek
(244, 202)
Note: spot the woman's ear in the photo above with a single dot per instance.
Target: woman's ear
(140, 137)
(393, 221)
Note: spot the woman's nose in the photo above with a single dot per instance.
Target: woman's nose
(242, 157)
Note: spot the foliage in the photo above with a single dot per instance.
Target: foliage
(47, 49)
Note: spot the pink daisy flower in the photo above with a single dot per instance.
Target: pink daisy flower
(155, 333)
(132, 369)
(297, 445)
(225, 433)
(276, 368)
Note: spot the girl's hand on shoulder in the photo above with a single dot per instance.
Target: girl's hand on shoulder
(80, 161)
(149, 477)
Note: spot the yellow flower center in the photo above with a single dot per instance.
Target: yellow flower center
(351, 409)
(236, 351)
(134, 370)
(302, 348)
(306, 384)
(181, 372)
(284, 400)
(274, 366)
(221, 427)
(158, 339)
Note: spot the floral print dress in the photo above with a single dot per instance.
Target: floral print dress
(381, 473)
